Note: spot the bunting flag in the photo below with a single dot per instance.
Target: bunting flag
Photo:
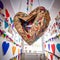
(53, 48)
(49, 46)
(31, 4)
(51, 56)
(58, 47)
(6, 24)
(15, 58)
(13, 50)
(11, 20)
(7, 13)
(5, 47)
(4, 35)
(1, 5)
(18, 54)
(53, 38)
(46, 53)
(10, 30)
(27, 5)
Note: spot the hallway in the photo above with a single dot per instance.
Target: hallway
(31, 56)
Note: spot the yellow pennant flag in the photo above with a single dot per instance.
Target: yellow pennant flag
(46, 54)
(13, 50)
(15, 58)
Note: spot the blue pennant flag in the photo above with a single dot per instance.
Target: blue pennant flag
(6, 24)
(11, 20)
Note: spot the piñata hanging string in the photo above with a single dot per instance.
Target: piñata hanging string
(31, 4)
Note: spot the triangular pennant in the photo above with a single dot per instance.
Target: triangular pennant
(1, 5)
(6, 24)
(10, 30)
(13, 50)
(18, 54)
(11, 20)
(7, 13)
(5, 47)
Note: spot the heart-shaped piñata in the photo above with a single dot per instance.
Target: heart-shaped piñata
(32, 26)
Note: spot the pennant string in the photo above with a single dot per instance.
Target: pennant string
(6, 36)
(53, 38)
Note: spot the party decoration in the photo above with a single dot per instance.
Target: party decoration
(49, 46)
(53, 38)
(27, 5)
(46, 54)
(10, 30)
(44, 45)
(5, 47)
(30, 35)
(13, 50)
(2, 32)
(53, 48)
(51, 56)
(31, 4)
(58, 20)
(11, 20)
(15, 58)
(58, 47)
(6, 24)
(1, 5)
(19, 54)
(21, 51)
(7, 13)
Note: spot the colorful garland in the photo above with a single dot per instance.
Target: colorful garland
(31, 4)
(51, 39)
(4, 35)
(27, 5)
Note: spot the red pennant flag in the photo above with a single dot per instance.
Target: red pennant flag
(53, 48)
(7, 13)
(51, 56)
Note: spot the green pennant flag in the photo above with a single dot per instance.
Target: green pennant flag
(6, 24)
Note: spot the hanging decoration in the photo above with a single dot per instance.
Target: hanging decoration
(13, 49)
(27, 5)
(10, 29)
(58, 20)
(5, 47)
(51, 56)
(6, 24)
(31, 4)
(37, 29)
(1, 5)
(46, 54)
(49, 46)
(7, 14)
(11, 21)
(53, 48)
(2, 33)
(53, 38)
(15, 58)
(58, 47)
(19, 54)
